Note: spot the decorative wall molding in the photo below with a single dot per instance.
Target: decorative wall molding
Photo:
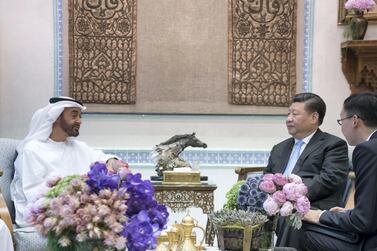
(205, 158)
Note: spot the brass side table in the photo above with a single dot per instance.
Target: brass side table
(178, 197)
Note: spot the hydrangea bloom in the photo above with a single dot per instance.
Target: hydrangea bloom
(118, 208)
(361, 5)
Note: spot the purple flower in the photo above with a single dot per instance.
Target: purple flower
(100, 178)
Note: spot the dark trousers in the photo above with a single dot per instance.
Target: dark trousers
(313, 241)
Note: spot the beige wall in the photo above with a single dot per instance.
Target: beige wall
(27, 77)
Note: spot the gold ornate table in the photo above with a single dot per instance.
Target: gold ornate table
(178, 197)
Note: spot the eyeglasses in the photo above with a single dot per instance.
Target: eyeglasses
(340, 121)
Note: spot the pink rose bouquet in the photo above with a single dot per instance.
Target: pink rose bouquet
(286, 196)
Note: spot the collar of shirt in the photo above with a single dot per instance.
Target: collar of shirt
(371, 135)
(306, 141)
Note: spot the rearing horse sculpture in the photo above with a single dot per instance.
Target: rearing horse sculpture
(166, 154)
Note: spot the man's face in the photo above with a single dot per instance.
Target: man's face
(70, 121)
(301, 123)
(348, 128)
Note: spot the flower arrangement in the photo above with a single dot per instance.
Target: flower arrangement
(250, 197)
(117, 208)
(286, 196)
(361, 5)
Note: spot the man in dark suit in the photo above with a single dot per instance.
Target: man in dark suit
(321, 160)
(358, 120)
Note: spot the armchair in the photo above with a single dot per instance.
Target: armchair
(24, 238)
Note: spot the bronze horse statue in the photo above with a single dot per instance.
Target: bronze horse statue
(166, 154)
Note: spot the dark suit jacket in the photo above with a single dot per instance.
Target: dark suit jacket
(363, 218)
(323, 167)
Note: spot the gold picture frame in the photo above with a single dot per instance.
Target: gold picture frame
(371, 15)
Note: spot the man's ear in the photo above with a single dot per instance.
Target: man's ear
(315, 117)
(356, 121)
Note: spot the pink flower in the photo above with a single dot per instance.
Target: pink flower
(270, 206)
(268, 176)
(301, 189)
(359, 4)
(293, 178)
(280, 179)
(267, 186)
(286, 209)
(279, 197)
(302, 205)
(289, 191)
(53, 181)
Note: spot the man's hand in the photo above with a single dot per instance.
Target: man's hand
(113, 165)
(338, 209)
(313, 216)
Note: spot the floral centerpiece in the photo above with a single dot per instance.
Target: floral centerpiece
(360, 5)
(357, 23)
(286, 197)
(118, 209)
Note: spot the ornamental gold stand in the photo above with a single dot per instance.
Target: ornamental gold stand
(179, 197)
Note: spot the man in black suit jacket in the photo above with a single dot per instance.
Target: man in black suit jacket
(322, 165)
(358, 120)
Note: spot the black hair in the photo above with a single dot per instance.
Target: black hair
(313, 103)
(364, 105)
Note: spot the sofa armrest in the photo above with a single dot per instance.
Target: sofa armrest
(4, 213)
(243, 171)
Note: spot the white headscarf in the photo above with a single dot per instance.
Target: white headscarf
(43, 118)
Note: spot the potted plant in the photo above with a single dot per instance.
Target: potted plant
(239, 226)
(253, 207)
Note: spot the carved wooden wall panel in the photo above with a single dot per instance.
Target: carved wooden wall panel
(102, 51)
(262, 52)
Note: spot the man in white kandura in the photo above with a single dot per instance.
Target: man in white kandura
(6, 242)
(50, 150)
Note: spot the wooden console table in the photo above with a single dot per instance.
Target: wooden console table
(359, 64)
(179, 197)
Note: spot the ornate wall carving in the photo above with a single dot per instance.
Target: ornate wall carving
(262, 52)
(102, 51)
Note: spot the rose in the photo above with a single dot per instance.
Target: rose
(268, 176)
(302, 205)
(280, 179)
(267, 186)
(293, 178)
(279, 197)
(301, 189)
(290, 191)
(286, 209)
(270, 206)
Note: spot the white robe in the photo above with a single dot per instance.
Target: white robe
(6, 242)
(41, 161)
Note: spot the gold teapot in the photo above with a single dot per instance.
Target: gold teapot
(186, 242)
